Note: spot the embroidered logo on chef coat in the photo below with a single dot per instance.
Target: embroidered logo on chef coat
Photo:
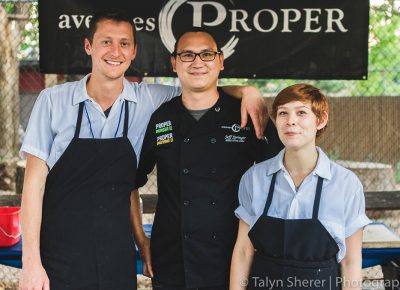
(235, 138)
(165, 138)
(163, 127)
(235, 128)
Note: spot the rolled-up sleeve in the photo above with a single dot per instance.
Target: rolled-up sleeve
(355, 211)
(39, 137)
(245, 210)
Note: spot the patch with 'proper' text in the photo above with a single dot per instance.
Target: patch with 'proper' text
(164, 128)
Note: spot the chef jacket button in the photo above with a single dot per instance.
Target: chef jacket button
(186, 203)
(186, 236)
(186, 140)
(214, 236)
(213, 171)
(213, 140)
(185, 171)
(217, 109)
(214, 202)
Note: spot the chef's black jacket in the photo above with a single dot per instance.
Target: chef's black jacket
(199, 166)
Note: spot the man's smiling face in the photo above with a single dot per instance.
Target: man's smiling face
(112, 49)
(197, 75)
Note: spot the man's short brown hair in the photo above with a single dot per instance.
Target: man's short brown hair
(109, 14)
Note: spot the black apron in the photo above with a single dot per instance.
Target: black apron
(293, 254)
(86, 239)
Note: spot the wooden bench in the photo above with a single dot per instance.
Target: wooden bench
(377, 200)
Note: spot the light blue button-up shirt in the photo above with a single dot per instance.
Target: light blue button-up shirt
(52, 122)
(342, 206)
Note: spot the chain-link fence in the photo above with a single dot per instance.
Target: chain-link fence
(364, 126)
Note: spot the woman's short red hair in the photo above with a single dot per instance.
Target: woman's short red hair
(303, 93)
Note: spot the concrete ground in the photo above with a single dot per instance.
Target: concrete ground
(9, 278)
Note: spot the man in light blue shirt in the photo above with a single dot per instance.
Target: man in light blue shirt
(51, 125)
(81, 146)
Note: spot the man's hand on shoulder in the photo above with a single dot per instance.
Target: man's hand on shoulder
(253, 104)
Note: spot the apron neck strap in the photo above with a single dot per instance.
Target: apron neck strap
(317, 197)
(270, 194)
(80, 114)
(316, 200)
(79, 120)
(126, 120)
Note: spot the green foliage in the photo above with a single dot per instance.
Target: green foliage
(384, 60)
(9, 7)
(30, 43)
(272, 87)
(29, 47)
(383, 63)
(398, 172)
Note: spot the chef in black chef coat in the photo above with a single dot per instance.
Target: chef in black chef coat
(201, 152)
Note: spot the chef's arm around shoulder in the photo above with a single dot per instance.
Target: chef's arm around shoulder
(33, 274)
(253, 104)
(242, 259)
(141, 240)
(351, 264)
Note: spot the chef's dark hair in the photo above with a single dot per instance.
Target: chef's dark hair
(191, 31)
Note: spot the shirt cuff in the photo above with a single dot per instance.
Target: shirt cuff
(26, 149)
(241, 213)
(360, 222)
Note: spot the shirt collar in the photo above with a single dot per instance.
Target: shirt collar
(276, 163)
(322, 169)
(81, 95)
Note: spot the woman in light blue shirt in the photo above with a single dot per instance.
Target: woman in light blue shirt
(301, 215)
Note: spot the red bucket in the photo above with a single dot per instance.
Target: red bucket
(10, 233)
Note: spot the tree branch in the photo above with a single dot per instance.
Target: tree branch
(19, 17)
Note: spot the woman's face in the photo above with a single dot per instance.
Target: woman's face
(297, 125)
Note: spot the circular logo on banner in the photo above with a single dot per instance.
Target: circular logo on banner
(167, 14)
